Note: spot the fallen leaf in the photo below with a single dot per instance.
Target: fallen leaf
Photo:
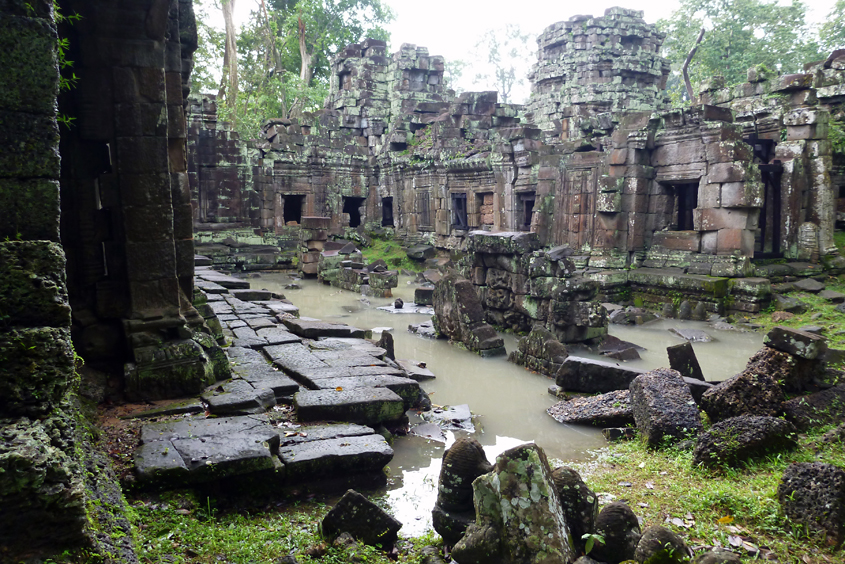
(689, 516)
(677, 522)
(339, 389)
(751, 548)
(732, 529)
(734, 541)
(641, 504)
(183, 511)
(725, 520)
(649, 485)
(291, 433)
(625, 484)
(642, 465)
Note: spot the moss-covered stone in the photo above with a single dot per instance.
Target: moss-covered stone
(32, 284)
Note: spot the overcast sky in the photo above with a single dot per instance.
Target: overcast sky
(451, 27)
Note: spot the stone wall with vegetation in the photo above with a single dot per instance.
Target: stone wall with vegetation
(41, 485)
(596, 161)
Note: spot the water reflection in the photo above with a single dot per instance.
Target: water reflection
(510, 402)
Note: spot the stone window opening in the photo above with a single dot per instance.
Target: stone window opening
(459, 211)
(686, 200)
(293, 204)
(387, 212)
(345, 81)
(352, 206)
(484, 205)
(525, 210)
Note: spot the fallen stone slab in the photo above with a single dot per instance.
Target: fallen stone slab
(277, 336)
(430, 431)
(258, 425)
(408, 307)
(414, 371)
(240, 398)
(202, 260)
(293, 358)
(682, 358)
(585, 375)
(692, 335)
(425, 329)
(813, 494)
(809, 285)
(228, 282)
(309, 377)
(421, 252)
(361, 518)
(796, 342)
(664, 409)
(251, 295)
(741, 438)
(790, 305)
(209, 287)
(315, 329)
(612, 409)
(815, 410)
(451, 417)
(407, 389)
(181, 407)
(212, 458)
(159, 461)
(341, 345)
(261, 322)
(298, 434)
(265, 376)
(748, 392)
(368, 406)
(335, 457)
(424, 296)
(244, 355)
(832, 297)
(349, 357)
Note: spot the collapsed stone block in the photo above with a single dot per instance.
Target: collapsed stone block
(813, 494)
(361, 518)
(737, 439)
(664, 408)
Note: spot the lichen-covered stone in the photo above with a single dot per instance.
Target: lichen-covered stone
(580, 504)
(749, 392)
(737, 439)
(813, 494)
(361, 518)
(618, 526)
(659, 545)
(458, 315)
(36, 369)
(463, 462)
(664, 409)
(519, 516)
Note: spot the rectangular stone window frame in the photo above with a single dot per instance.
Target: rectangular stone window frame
(293, 207)
(525, 210)
(459, 211)
(686, 201)
(387, 212)
(352, 206)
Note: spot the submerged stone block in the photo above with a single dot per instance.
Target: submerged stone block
(368, 406)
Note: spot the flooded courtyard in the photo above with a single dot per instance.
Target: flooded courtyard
(509, 402)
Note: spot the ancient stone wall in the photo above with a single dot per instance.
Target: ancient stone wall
(596, 161)
(40, 483)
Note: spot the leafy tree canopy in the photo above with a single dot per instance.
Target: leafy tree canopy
(284, 54)
(740, 34)
(832, 32)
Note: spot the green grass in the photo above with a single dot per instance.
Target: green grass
(713, 505)
(182, 528)
(392, 253)
(831, 320)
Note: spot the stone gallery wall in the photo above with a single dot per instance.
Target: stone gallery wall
(595, 161)
(41, 486)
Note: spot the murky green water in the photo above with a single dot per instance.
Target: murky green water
(510, 402)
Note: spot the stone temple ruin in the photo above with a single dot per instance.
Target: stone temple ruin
(99, 222)
(597, 161)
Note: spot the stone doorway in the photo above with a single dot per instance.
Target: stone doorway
(352, 207)
(387, 212)
(292, 208)
(767, 242)
(459, 211)
(524, 210)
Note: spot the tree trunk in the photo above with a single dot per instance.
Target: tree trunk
(229, 81)
(685, 69)
(305, 70)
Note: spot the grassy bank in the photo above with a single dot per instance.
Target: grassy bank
(732, 508)
(392, 253)
(184, 527)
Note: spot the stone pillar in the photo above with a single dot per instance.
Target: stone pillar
(40, 486)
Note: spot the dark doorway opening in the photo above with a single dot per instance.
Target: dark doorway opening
(686, 200)
(768, 243)
(387, 212)
(525, 210)
(293, 204)
(459, 211)
(352, 206)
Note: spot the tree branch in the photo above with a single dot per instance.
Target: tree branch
(685, 68)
